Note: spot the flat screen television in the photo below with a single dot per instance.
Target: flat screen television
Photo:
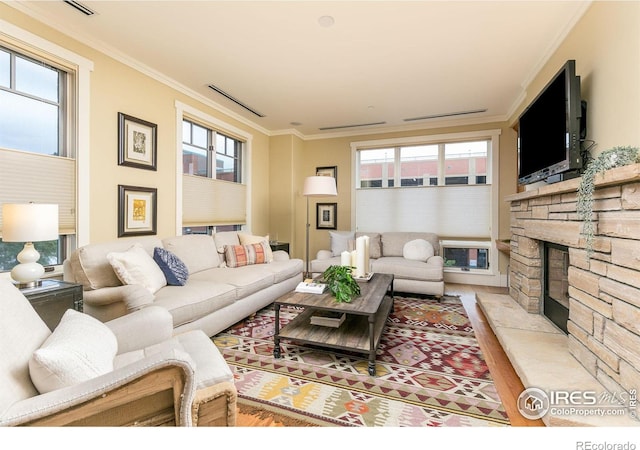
(551, 131)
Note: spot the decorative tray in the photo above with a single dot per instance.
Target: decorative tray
(366, 277)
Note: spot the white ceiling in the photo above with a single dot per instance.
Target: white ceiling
(381, 61)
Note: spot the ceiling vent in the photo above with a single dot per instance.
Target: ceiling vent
(338, 127)
(439, 116)
(80, 7)
(235, 100)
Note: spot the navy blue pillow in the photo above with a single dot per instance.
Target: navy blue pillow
(175, 271)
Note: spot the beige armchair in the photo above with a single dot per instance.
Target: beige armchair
(156, 378)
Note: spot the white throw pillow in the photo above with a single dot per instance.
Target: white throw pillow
(79, 349)
(418, 250)
(340, 241)
(136, 266)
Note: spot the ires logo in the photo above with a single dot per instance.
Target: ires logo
(534, 403)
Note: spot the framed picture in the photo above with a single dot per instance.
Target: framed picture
(326, 216)
(137, 143)
(137, 210)
(328, 171)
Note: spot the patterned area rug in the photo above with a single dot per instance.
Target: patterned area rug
(430, 372)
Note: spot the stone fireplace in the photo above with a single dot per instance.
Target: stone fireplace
(603, 291)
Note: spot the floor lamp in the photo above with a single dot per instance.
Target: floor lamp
(317, 186)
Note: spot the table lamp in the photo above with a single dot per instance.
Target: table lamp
(316, 186)
(29, 223)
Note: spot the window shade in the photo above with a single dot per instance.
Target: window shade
(206, 201)
(449, 211)
(31, 177)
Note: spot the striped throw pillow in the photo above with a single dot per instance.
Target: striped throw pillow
(245, 255)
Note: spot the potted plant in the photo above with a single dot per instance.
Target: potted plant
(341, 283)
(608, 159)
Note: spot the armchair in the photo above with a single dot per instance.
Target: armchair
(157, 378)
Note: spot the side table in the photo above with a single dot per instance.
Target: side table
(53, 298)
(276, 245)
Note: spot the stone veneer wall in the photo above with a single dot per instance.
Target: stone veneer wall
(604, 290)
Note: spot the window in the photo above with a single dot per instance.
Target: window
(466, 256)
(451, 163)
(437, 183)
(36, 120)
(202, 157)
(214, 197)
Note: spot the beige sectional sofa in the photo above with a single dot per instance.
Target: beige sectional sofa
(214, 296)
(412, 257)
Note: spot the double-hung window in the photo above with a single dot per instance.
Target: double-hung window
(37, 153)
(214, 196)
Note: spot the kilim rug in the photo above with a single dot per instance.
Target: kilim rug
(430, 372)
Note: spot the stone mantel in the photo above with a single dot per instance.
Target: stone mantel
(619, 175)
(604, 289)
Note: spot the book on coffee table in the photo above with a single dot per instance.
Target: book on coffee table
(327, 318)
(311, 287)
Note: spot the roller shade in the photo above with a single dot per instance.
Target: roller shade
(206, 201)
(31, 177)
(453, 211)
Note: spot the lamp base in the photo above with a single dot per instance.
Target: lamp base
(28, 284)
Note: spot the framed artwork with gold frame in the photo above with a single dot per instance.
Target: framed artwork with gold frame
(137, 210)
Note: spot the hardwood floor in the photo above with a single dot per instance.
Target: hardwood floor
(506, 380)
(504, 376)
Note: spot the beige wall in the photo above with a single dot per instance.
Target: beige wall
(606, 46)
(116, 87)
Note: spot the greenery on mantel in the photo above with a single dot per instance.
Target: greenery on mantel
(608, 159)
(341, 283)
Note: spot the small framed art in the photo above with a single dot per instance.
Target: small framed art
(327, 171)
(137, 143)
(137, 210)
(326, 216)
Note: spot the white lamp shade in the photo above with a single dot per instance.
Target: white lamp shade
(319, 186)
(29, 222)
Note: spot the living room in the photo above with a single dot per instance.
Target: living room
(603, 41)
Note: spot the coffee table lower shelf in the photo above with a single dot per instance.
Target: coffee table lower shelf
(359, 333)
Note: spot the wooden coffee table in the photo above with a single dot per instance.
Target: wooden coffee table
(366, 316)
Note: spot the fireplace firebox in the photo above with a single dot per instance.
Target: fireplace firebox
(556, 284)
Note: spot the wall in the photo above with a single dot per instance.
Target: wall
(606, 46)
(116, 87)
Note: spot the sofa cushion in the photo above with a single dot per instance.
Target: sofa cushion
(375, 249)
(196, 299)
(210, 364)
(246, 239)
(136, 266)
(174, 270)
(284, 269)
(407, 269)
(197, 251)
(417, 250)
(246, 255)
(92, 269)
(222, 239)
(79, 349)
(393, 242)
(340, 241)
(247, 279)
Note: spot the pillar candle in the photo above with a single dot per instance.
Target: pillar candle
(345, 258)
(360, 258)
